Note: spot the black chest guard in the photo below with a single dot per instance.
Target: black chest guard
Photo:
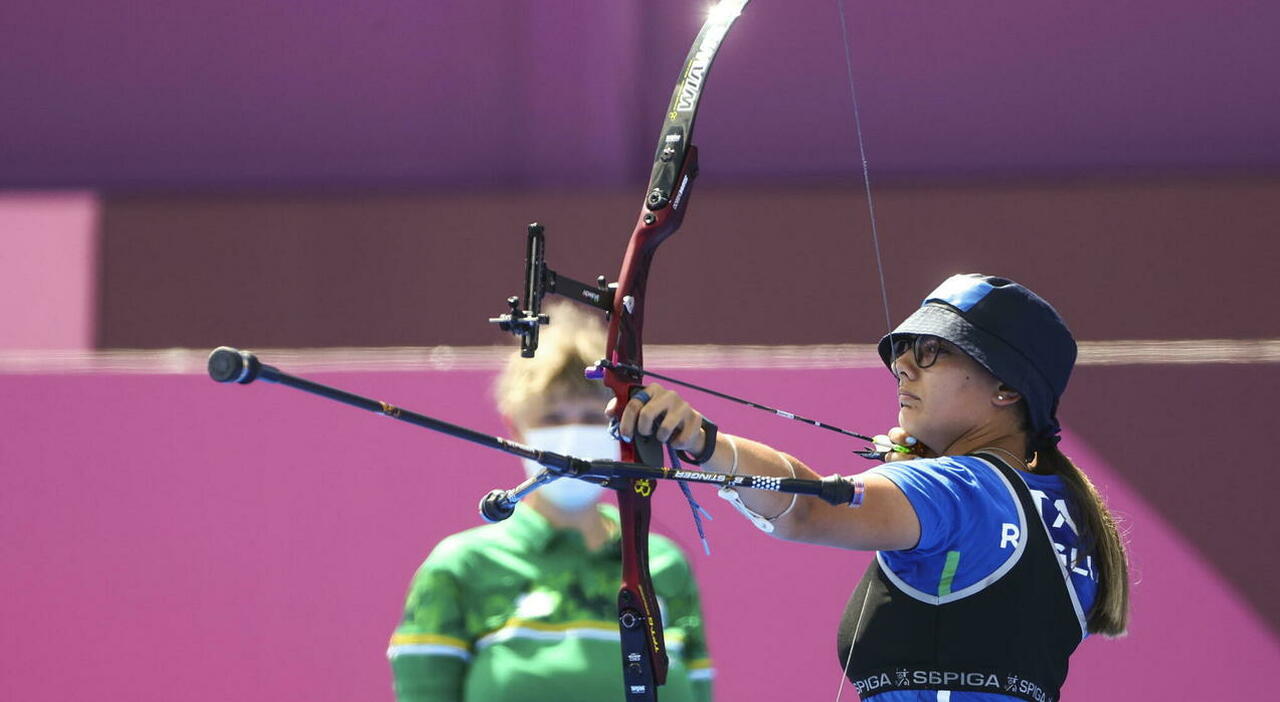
(1011, 637)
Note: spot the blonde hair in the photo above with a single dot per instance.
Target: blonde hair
(1100, 538)
(572, 341)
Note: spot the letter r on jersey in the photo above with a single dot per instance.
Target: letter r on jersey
(1009, 535)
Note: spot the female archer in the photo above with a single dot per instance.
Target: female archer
(995, 554)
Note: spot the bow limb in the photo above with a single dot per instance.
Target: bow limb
(644, 656)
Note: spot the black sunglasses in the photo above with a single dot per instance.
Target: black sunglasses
(924, 348)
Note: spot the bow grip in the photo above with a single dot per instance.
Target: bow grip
(648, 449)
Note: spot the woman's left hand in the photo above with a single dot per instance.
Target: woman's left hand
(661, 413)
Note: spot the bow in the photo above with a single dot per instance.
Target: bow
(675, 165)
(644, 654)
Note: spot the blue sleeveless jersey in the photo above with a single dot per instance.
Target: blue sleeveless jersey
(970, 528)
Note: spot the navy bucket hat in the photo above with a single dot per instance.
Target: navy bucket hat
(1010, 331)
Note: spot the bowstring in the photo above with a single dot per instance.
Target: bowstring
(875, 240)
(866, 168)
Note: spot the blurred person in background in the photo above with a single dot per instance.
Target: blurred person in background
(996, 555)
(526, 609)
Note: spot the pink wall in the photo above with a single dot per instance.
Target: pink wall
(48, 249)
(164, 538)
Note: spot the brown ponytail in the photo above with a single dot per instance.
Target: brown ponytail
(1110, 613)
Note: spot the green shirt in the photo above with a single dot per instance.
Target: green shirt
(520, 610)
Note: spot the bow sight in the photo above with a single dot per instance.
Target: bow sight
(540, 280)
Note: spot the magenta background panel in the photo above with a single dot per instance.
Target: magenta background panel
(48, 266)
(166, 538)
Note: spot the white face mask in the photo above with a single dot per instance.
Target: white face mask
(587, 441)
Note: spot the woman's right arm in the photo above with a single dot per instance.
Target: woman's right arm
(429, 651)
(428, 678)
